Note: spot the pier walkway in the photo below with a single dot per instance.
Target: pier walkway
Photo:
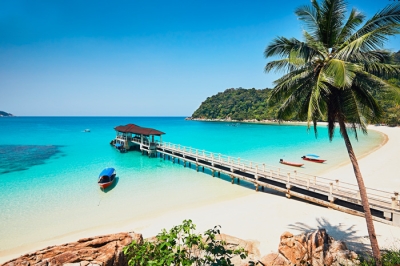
(342, 196)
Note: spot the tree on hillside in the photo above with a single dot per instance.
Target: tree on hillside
(334, 72)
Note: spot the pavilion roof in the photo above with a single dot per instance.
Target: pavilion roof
(132, 128)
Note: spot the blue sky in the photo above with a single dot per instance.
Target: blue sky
(138, 58)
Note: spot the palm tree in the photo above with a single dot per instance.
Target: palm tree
(334, 73)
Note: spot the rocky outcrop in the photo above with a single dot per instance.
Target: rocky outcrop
(97, 251)
(316, 248)
(250, 246)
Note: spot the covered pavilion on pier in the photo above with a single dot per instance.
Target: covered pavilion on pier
(132, 136)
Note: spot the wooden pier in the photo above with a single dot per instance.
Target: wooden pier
(334, 194)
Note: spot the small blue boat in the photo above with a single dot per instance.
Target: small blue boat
(106, 177)
(120, 147)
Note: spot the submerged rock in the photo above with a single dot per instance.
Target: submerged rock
(102, 250)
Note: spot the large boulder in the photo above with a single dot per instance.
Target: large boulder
(101, 251)
(316, 248)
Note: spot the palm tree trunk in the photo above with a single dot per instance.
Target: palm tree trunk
(363, 193)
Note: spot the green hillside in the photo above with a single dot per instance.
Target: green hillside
(237, 104)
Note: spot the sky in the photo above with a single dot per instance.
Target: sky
(139, 58)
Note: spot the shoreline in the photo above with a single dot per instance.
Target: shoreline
(237, 215)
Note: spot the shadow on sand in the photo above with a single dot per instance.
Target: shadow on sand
(341, 231)
(113, 185)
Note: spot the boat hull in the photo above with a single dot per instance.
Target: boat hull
(106, 185)
(313, 160)
(106, 178)
(292, 164)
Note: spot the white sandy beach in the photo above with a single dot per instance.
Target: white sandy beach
(264, 217)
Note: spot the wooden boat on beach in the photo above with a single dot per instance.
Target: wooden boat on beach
(106, 177)
(312, 159)
(291, 163)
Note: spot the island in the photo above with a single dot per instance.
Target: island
(5, 114)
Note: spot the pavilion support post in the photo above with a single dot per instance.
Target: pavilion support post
(190, 164)
(203, 169)
(219, 174)
(213, 173)
(232, 179)
(197, 167)
(184, 163)
(256, 187)
(238, 180)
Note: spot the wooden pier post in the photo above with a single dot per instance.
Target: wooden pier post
(256, 187)
(190, 165)
(238, 180)
(288, 186)
(219, 173)
(203, 168)
(197, 167)
(213, 173)
(232, 179)
(330, 197)
(184, 163)
(256, 175)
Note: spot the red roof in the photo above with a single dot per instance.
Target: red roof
(132, 128)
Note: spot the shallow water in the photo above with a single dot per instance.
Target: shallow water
(49, 169)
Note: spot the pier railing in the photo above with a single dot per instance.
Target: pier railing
(333, 188)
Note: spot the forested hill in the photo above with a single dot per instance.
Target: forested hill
(2, 113)
(237, 104)
(246, 104)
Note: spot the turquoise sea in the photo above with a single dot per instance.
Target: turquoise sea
(49, 168)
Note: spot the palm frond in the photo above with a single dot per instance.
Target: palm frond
(370, 41)
(389, 16)
(310, 15)
(332, 16)
(386, 71)
(290, 82)
(316, 45)
(341, 73)
(286, 64)
(284, 47)
(354, 20)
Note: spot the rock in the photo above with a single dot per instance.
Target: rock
(316, 248)
(274, 259)
(97, 251)
(248, 245)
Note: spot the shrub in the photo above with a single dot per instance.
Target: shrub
(180, 246)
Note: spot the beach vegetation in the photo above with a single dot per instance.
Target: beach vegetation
(334, 73)
(181, 246)
(389, 258)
